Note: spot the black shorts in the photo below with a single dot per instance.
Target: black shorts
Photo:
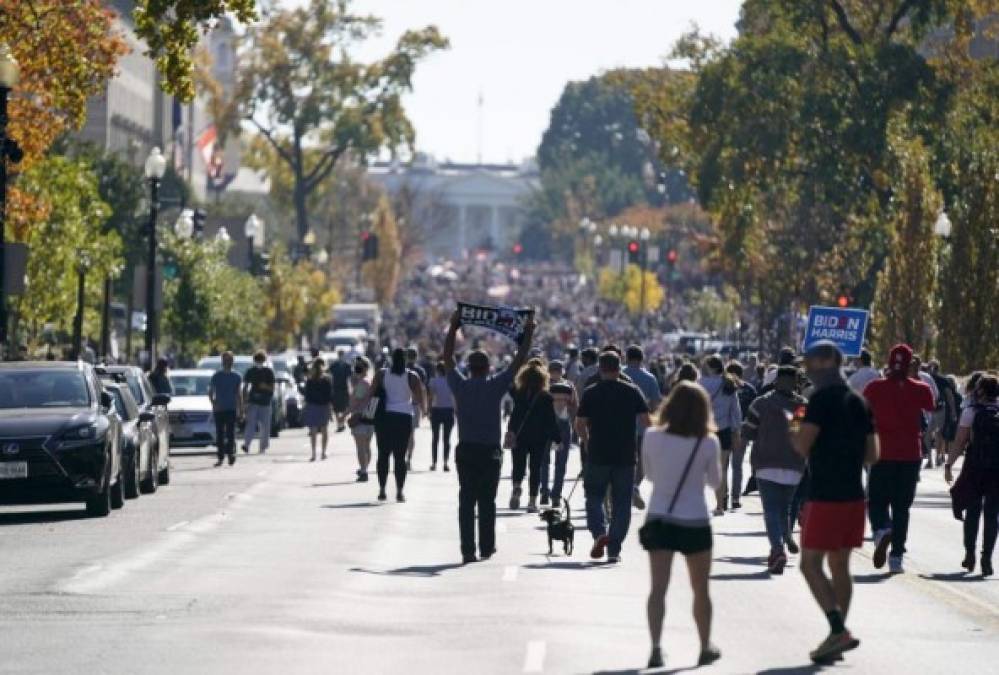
(659, 535)
(341, 401)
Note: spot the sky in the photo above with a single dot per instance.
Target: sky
(519, 54)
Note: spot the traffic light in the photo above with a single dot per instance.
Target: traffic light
(369, 246)
(671, 256)
(843, 301)
(198, 218)
(633, 250)
(518, 248)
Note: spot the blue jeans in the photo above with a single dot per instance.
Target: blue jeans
(561, 460)
(777, 515)
(621, 481)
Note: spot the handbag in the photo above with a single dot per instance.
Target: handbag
(510, 438)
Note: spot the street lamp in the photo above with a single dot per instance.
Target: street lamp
(322, 257)
(942, 227)
(184, 227)
(222, 235)
(643, 258)
(154, 169)
(252, 229)
(9, 76)
(82, 267)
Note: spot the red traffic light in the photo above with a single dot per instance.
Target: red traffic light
(633, 247)
(518, 248)
(843, 301)
(671, 255)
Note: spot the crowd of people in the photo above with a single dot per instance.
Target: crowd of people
(830, 446)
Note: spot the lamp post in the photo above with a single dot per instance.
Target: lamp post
(308, 241)
(643, 259)
(941, 228)
(82, 266)
(222, 235)
(251, 229)
(184, 225)
(154, 169)
(9, 75)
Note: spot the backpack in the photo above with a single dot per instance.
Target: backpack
(984, 448)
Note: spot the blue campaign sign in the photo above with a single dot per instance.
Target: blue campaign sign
(845, 327)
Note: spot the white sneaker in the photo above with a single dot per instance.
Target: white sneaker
(895, 564)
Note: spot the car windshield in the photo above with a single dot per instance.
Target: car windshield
(135, 386)
(43, 389)
(190, 385)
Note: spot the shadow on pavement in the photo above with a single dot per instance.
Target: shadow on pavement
(356, 505)
(741, 534)
(743, 560)
(872, 578)
(954, 576)
(568, 565)
(644, 671)
(32, 517)
(748, 576)
(412, 570)
(793, 670)
(346, 482)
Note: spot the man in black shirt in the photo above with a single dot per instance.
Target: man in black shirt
(258, 392)
(340, 372)
(607, 422)
(837, 438)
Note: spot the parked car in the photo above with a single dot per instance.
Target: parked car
(294, 401)
(137, 442)
(149, 401)
(191, 421)
(60, 437)
(241, 364)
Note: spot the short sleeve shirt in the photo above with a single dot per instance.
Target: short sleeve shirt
(225, 386)
(611, 407)
(836, 463)
(261, 381)
(477, 405)
(897, 405)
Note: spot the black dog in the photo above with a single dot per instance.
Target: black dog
(559, 529)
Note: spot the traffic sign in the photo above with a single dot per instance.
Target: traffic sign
(845, 326)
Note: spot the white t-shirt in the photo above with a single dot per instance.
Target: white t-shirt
(664, 457)
(862, 378)
(398, 395)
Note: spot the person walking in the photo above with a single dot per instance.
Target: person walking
(681, 456)
(412, 356)
(532, 429)
(837, 439)
(723, 392)
(340, 372)
(160, 378)
(864, 374)
(566, 405)
(402, 392)
(441, 416)
(746, 394)
(898, 404)
(258, 391)
(976, 493)
(608, 418)
(225, 394)
(479, 454)
(649, 386)
(362, 426)
(778, 468)
(318, 405)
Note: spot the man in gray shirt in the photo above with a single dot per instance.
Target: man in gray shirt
(227, 405)
(479, 454)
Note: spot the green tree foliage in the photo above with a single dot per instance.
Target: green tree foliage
(209, 306)
(627, 289)
(301, 88)
(171, 30)
(70, 234)
(710, 311)
(903, 305)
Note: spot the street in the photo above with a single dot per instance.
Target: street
(281, 565)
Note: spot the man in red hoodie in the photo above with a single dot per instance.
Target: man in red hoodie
(898, 403)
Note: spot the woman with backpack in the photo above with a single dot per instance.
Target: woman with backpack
(976, 492)
(723, 392)
(531, 431)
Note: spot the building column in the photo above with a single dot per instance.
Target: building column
(494, 230)
(462, 230)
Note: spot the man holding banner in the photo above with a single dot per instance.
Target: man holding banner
(479, 454)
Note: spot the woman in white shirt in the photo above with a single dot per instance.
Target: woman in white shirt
(401, 392)
(682, 456)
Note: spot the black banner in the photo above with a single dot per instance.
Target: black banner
(508, 321)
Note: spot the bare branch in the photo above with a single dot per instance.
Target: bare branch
(270, 139)
(896, 19)
(844, 22)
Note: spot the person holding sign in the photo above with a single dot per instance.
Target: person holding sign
(479, 455)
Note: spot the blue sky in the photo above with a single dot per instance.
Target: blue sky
(519, 54)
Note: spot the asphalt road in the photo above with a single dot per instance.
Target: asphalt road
(277, 565)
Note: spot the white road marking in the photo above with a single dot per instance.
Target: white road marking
(177, 526)
(534, 662)
(510, 573)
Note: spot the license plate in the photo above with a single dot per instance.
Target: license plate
(13, 470)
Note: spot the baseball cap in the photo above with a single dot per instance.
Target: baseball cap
(899, 359)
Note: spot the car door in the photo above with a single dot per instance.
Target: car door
(162, 421)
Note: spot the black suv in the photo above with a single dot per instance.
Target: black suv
(151, 402)
(60, 437)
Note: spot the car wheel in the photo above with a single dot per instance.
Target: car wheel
(131, 486)
(99, 505)
(151, 482)
(117, 493)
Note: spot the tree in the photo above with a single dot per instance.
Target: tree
(711, 311)
(627, 289)
(171, 29)
(69, 234)
(301, 89)
(382, 273)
